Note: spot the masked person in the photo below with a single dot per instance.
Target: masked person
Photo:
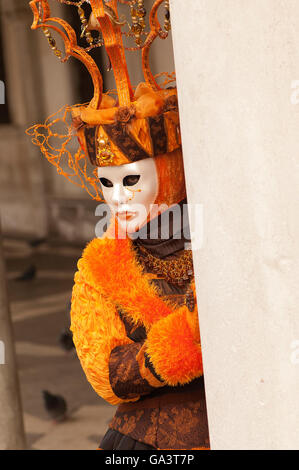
(134, 314)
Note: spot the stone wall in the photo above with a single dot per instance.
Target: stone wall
(237, 62)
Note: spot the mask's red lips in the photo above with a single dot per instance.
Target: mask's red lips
(125, 215)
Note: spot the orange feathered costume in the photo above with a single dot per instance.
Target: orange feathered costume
(109, 280)
(108, 276)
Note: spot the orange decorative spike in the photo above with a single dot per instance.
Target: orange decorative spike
(42, 19)
(113, 43)
(156, 31)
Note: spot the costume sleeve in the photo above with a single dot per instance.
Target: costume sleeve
(173, 348)
(112, 362)
(169, 355)
(129, 375)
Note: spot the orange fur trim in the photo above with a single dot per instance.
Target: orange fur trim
(172, 347)
(109, 276)
(116, 273)
(97, 330)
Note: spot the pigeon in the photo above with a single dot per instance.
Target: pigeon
(28, 275)
(55, 406)
(66, 339)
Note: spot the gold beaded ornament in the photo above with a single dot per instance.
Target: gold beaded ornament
(105, 155)
(175, 271)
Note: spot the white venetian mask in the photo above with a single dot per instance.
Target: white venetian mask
(130, 190)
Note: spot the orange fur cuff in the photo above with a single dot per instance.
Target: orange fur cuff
(173, 347)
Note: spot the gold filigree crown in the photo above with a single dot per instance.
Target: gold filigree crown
(137, 124)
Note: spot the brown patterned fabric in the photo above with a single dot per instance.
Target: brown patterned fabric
(90, 139)
(170, 418)
(125, 142)
(158, 134)
(183, 419)
(139, 423)
(172, 293)
(124, 373)
(135, 333)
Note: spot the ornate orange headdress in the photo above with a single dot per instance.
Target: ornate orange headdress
(137, 124)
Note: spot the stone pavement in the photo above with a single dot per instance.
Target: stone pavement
(40, 311)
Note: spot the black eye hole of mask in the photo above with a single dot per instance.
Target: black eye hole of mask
(107, 183)
(131, 180)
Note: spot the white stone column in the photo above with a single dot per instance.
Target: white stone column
(236, 62)
(22, 195)
(11, 421)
